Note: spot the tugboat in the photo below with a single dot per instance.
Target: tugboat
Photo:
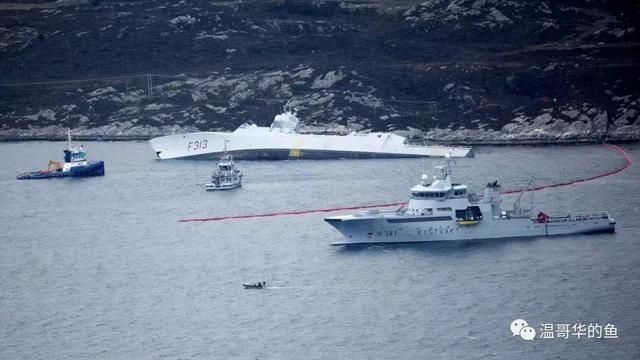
(226, 176)
(441, 210)
(75, 165)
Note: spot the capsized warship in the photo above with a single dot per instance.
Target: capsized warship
(442, 210)
(282, 141)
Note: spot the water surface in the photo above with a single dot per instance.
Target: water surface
(101, 268)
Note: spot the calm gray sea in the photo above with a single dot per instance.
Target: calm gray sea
(100, 268)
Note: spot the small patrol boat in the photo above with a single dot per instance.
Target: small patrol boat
(226, 176)
(258, 285)
(442, 210)
(75, 165)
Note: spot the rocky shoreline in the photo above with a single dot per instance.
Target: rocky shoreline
(446, 71)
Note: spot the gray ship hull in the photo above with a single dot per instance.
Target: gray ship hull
(383, 228)
(286, 154)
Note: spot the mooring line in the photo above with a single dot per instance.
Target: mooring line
(628, 164)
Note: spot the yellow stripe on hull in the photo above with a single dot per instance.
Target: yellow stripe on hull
(294, 153)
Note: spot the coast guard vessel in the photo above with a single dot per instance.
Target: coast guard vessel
(282, 141)
(441, 210)
(75, 165)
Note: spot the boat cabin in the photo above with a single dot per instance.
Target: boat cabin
(74, 155)
(225, 166)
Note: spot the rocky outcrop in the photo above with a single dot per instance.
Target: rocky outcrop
(439, 70)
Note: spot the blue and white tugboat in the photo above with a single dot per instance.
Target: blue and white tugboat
(75, 165)
(442, 210)
(226, 176)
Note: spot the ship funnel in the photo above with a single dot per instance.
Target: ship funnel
(492, 195)
(492, 192)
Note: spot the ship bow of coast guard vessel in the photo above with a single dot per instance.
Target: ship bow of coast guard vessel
(441, 210)
(282, 140)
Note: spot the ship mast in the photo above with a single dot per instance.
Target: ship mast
(516, 205)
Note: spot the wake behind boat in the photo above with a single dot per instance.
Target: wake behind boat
(441, 210)
(75, 165)
(282, 141)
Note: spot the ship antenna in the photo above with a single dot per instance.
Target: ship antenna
(69, 138)
(516, 204)
(447, 169)
(287, 107)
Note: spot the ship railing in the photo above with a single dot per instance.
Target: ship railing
(367, 212)
(578, 216)
(376, 213)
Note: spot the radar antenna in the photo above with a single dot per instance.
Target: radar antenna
(287, 107)
(446, 169)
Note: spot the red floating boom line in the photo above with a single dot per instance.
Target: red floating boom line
(628, 164)
(294, 212)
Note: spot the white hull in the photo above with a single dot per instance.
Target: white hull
(213, 187)
(252, 142)
(372, 228)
